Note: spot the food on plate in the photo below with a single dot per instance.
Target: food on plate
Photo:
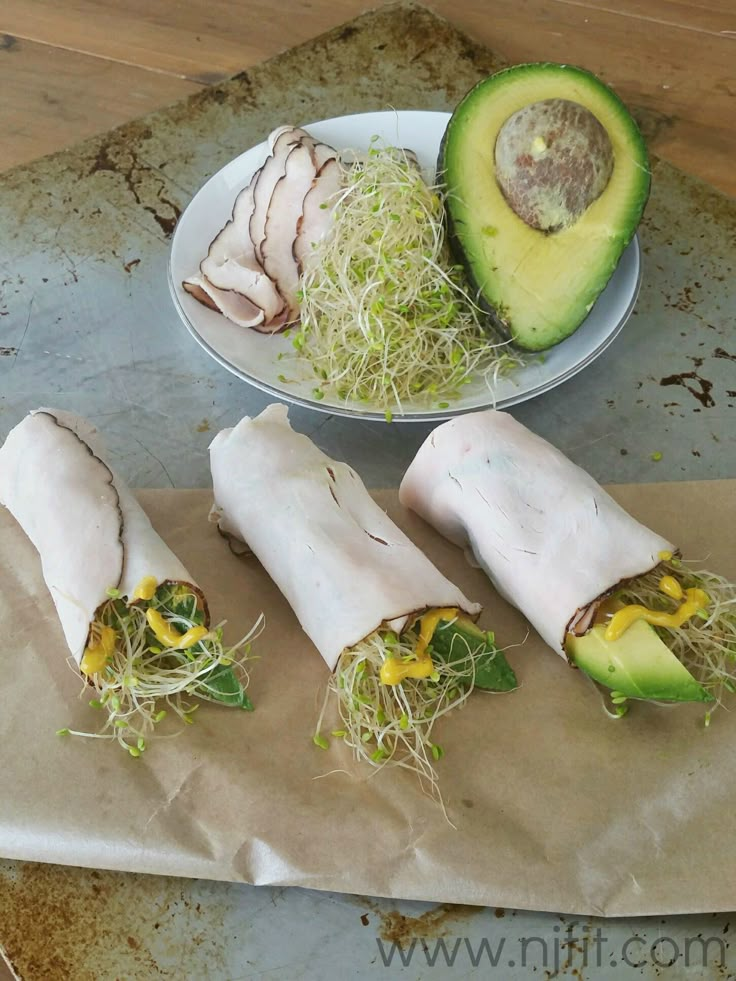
(606, 593)
(546, 176)
(136, 623)
(251, 271)
(385, 317)
(398, 637)
(351, 247)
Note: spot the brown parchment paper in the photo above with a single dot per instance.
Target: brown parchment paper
(555, 806)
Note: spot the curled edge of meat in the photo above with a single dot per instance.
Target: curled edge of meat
(584, 618)
(251, 307)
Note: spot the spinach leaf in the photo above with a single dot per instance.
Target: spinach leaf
(222, 685)
(184, 606)
(451, 642)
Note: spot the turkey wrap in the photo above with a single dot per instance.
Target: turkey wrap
(136, 624)
(90, 532)
(551, 540)
(343, 566)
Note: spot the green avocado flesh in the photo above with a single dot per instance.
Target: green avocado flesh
(638, 664)
(453, 641)
(538, 286)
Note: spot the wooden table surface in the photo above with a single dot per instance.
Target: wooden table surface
(72, 68)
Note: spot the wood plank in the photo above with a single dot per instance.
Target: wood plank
(673, 70)
(5, 972)
(674, 58)
(204, 40)
(684, 80)
(52, 98)
(703, 152)
(714, 16)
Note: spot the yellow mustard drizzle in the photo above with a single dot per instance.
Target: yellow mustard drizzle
(671, 587)
(169, 635)
(145, 590)
(97, 654)
(695, 599)
(428, 625)
(394, 671)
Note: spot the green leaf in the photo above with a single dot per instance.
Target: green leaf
(451, 642)
(186, 608)
(222, 685)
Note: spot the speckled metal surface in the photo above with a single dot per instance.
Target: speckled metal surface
(86, 323)
(62, 924)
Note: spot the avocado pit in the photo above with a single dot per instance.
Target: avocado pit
(553, 160)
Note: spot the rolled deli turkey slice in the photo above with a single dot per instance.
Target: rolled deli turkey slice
(552, 541)
(231, 304)
(231, 262)
(90, 532)
(342, 564)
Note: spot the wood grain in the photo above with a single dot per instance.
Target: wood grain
(202, 41)
(715, 17)
(683, 79)
(52, 98)
(5, 973)
(673, 59)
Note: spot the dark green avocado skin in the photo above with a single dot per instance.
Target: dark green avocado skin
(500, 321)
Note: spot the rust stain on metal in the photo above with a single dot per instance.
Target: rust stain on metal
(702, 199)
(402, 930)
(73, 923)
(139, 179)
(686, 300)
(61, 923)
(143, 173)
(699, 388)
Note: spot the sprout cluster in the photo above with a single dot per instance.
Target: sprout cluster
(385, 315)
(393, 724)
(143, 682)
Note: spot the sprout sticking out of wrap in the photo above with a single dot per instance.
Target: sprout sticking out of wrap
(606, 593)
(399, 638)
(137, 626)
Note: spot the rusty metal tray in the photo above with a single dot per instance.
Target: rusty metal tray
(86, 323)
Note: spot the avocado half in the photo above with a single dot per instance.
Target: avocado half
(638, 664)
(538, 286)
